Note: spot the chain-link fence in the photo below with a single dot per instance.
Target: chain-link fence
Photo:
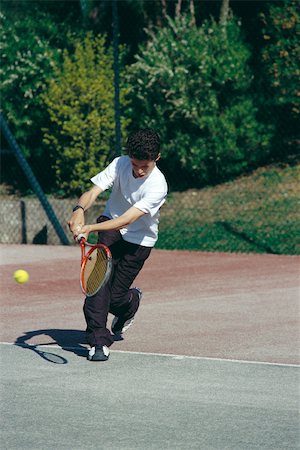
(255, 213)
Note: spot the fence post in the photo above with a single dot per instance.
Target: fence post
(115, 26)
(33, 181)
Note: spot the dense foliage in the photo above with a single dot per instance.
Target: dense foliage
(32, 40)
(81, 107)
(221, 107)
(193, 85)
(27, 59)
(281, 67)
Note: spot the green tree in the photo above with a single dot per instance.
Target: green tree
(281, 72)
(193, 85)
(80, 101)
(32, 38)
(27, 56)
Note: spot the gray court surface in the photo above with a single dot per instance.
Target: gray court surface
(144, 401)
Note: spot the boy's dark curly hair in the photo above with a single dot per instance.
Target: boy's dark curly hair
(143, 144)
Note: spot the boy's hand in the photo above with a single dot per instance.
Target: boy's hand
(84, 231)
(76, 222)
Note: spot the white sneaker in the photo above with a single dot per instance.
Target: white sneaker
(98, 353)
(119, 326)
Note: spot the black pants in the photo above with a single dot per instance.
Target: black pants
(116, 296)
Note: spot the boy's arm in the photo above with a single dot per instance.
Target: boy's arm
(85, 201)
(130, 216)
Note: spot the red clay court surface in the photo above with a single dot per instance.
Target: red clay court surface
(211, 305)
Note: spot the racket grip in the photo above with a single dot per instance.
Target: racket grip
(80, 237)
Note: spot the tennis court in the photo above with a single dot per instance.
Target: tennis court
(212, 361)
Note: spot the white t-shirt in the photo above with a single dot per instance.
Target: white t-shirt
(147, 194)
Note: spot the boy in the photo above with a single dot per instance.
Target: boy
(129, 227)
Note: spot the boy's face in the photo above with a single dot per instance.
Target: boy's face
(142, 168)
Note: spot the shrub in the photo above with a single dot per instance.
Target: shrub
(80, 101)
(281, 71)
(32, 40)
(193, 85)
(27, 59)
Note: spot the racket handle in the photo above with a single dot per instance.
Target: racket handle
(80, 237)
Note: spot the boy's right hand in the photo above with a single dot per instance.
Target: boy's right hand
(76, 222)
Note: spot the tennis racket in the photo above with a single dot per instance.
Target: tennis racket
(96, 264)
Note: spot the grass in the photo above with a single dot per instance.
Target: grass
(258, 213)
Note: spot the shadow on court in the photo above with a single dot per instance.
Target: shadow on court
(68, 340)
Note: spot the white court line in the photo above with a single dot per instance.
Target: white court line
(169, 355)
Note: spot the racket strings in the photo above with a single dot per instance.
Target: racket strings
(95, 271)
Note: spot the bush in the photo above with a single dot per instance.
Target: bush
(80, 101)
(27, 59)
(281, 72)
(193, 85)
(32, 40)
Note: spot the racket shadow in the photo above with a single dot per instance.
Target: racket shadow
(68, 340)
(48, 356)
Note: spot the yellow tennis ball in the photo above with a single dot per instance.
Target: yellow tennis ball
(21, 276)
